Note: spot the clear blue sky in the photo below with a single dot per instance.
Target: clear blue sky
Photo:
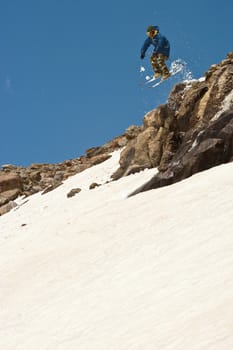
(69, 69)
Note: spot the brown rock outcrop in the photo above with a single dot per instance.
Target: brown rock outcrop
(11, 187)
(17, 180)
(194, 130)
(212, 147)
(7, 207)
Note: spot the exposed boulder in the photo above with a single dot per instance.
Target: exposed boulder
(9, 195)
(7, 207)
(10, 182)
(73, 192)
(93, 186)
(11, 186)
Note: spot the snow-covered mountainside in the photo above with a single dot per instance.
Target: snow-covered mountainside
(102, 271)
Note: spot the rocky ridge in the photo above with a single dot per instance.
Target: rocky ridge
(192, 132)
(18, 181)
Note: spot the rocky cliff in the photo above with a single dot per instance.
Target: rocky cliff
(18, 181)
(192, 132)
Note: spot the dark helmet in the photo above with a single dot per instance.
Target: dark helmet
(152, 28)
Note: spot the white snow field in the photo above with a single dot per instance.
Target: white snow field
(99, 271)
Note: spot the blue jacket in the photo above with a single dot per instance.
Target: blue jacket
(160, 43)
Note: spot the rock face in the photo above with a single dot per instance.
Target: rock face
(191, 133)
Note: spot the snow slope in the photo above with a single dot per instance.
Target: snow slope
(100, 271)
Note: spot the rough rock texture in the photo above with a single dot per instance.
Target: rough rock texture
(191, 133)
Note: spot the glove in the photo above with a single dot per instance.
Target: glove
(142, 56)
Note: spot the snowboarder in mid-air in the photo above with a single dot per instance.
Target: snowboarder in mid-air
(160, 53)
